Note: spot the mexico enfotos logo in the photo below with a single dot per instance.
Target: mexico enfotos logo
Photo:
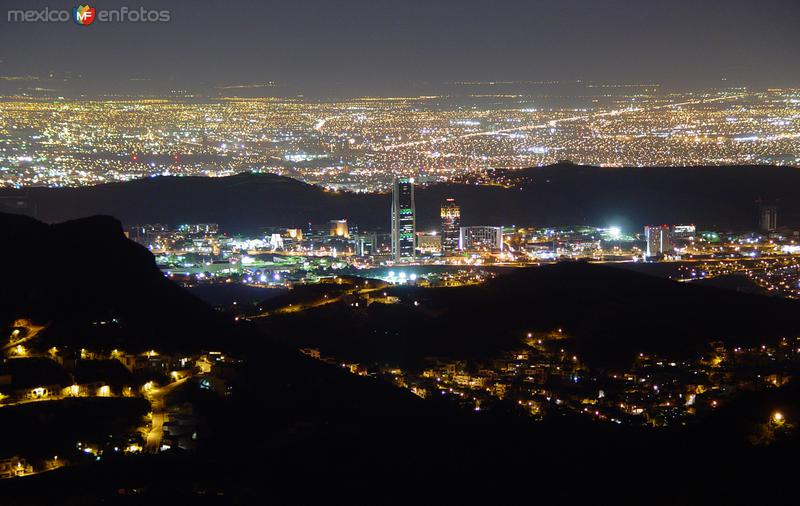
(85, 15)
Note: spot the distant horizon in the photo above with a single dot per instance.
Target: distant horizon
(368, 46)
(420, 236)
(52, 87)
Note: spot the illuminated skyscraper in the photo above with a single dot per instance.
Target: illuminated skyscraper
(658, 240)
(339, 228)
(404, 219)
(451, 221)
(769, 218)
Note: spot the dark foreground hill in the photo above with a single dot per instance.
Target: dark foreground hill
(612, 314)
(296, 431)
(87, 285)
(88, 281)
(471, 460)
(711, 197)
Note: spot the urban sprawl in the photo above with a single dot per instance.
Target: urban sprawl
(393, 145)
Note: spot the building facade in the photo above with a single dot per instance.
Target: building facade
(451, 223)
(404, 219)
(366, 244)
(683, 231)
(339, 228)
(429, 243)
(480, 238)
(658, 240)
(769, 218)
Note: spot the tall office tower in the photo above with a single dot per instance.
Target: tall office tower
(769, 218)
(404, 219)
(339, 229)
(658, 240)
(451, 221)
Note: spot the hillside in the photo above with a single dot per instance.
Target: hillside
(89, 286)
(546, 196)
(292, 421)
(612, 314)
(85, 278)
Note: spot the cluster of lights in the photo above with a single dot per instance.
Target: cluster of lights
(360, 143)
(400, 277)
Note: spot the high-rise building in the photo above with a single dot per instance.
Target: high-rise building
(339, 228)
(147, 234)
(451, 222)
(480, 239)
(366, 244)
(769, 218)
(295, 234)
(276, 242)
(404, 219)
(658, 240)
(429, 243)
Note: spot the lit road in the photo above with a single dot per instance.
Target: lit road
(297, 307)
(156, 433)
(32, 332)
(156, 398)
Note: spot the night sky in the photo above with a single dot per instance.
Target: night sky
(376, 45)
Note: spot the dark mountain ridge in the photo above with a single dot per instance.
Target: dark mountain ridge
(297, 422)
(720, 197)
(610, 314)
(76, 274)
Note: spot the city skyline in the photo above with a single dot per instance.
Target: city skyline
(377, 252)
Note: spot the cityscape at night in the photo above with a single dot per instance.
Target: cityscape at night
(359, 144)
(378, 253)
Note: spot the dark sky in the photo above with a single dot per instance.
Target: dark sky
(362, 45)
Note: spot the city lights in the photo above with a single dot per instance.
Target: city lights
(449, 251)
(80, 142)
